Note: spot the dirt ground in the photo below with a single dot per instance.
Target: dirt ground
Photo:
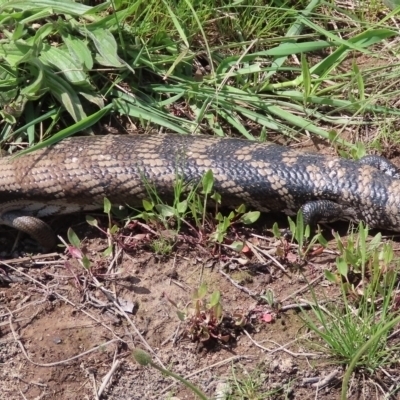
(68, 332)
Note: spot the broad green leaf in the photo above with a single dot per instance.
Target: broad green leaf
(392, 4)
(93, 97)
(44, 31)
(241, 209)
(224, 225)
(207, 182)
(35, 90)
(114, 229)
(292, 226)
(329, 276)
(62, 61)
(107, 205)
(342, 266)
(91, 221)
(165, 210)
(215, 298)
(276, 231)
(58, 7)
(219, 217)
(299, 226)
(38, 15)
(79, 50)
(307, 231)
(73, 238)
(218, 312)
(182, 206)
(107, 47)
(203, 290)
(66, 95)
(181, 315)
(7, 96)
(200, 292)
(237, 246)
(15, 53)
(321, 240)
(108, 251)
(147, 205)
(250, 217)
(18, 31)
(86, 262)
(216, 197)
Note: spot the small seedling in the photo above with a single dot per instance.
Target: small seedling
(190, 203)
(204, 316)
(225, 222)
(269, 298)
(162, 246)
(157, 212)
(111, 230)
(301, 234)
(362, 258)
(76, 249)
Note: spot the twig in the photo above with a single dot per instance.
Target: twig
(114, 260)
(92, 377)
(30, 258)
(145, 226)
(23, 396)
(107, 378)
(121, 310)
(273, 259)
(255, 252)
(325, 381)
(281, 348)
(242, 288)
(65, 300)
(302, 289)
(173, 336)
(296, 306)
(317, 382)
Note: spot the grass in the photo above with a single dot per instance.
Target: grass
(263, 70)
(357, 332)
(249, 385)
(144, 359)
(281, 68)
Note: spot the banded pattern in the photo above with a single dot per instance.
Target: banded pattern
(77, 173)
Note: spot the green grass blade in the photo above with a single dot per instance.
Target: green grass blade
(63, 134)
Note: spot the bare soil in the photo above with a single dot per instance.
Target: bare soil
(67, 332)
(62, 337)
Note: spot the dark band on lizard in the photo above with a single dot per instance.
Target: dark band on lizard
(77, 173)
